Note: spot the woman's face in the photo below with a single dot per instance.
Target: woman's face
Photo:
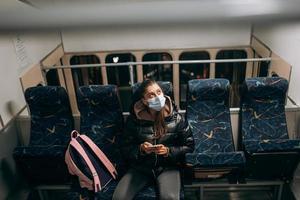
(152, 91)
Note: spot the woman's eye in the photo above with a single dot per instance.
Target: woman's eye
(158, 92)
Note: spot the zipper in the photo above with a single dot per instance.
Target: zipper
(155, 154)
(153, 173)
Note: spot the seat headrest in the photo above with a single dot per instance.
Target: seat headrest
(102, 96)
(46, 99)
(208, 89)
(166, 87)
(266, 87)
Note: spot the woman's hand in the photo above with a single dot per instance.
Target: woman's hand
(162, 150)
(146, 148)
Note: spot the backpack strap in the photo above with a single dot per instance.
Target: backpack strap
(106, 162)
(74, 143)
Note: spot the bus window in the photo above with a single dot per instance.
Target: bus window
(192, 71)
(86, 76)
(120, 76)
(263, 68)
(158, 72)
(234, 72)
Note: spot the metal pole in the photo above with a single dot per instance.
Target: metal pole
(131, 75)
(158, 62)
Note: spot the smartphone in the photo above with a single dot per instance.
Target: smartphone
(154, 147)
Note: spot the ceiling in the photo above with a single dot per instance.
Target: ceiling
(33, 14)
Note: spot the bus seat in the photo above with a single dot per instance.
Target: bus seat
(51, 124)
(101, 118)
(263, 130)
(209, 117)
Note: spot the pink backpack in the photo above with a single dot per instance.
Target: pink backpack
(84, 159)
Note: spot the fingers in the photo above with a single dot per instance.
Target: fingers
(159, 146)
(147, 144)
(161, 151)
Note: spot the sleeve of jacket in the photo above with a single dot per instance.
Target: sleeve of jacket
(130, 146)
(186, 141)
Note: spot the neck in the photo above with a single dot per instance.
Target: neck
(152, 112)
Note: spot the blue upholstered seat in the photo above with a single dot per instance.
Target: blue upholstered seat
(209, 117)
(263, 123)
(51, 125)
(101, 118)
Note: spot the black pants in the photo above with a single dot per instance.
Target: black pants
(167, 182)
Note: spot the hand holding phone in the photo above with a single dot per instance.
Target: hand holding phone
(154, 148)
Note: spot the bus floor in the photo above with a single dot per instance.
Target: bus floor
(291, 192)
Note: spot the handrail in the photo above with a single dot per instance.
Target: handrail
(157, 62)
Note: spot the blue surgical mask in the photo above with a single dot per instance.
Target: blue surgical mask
(157, 103)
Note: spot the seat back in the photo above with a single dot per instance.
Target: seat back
(262, 109)
(101, 117)
(208, 115)
(51, 116)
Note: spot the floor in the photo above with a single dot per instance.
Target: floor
(263, 193)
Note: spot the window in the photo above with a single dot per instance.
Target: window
(120, 76)
(263, 68)
(86, 76)
(192, 71)
(158, 72)
(52, 77)
(234, 72)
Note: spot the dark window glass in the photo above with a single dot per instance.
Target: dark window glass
(192, 71)
(263, 68)
(52, 77)
(120, 76)
(86, 76)
(234, 72)
(158, 72)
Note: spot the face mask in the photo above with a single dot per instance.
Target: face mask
(157, 103)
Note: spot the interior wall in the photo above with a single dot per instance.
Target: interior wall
(18, 52)
(284, 40)
(156, 37)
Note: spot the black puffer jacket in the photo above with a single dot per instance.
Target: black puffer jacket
(178, 138)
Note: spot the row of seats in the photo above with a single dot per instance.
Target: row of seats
(265, 149)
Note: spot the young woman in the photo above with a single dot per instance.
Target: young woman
(155, 141)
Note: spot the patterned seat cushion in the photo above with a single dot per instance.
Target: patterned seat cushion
(271, 155)
(255, 146)
(263, 114)
(209, 117)
(51, 125)
(224, 159)
(40, 151)
(51, 116)
(101, 119)
(39, 163)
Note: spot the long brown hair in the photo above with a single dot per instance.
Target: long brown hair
(159, 122)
